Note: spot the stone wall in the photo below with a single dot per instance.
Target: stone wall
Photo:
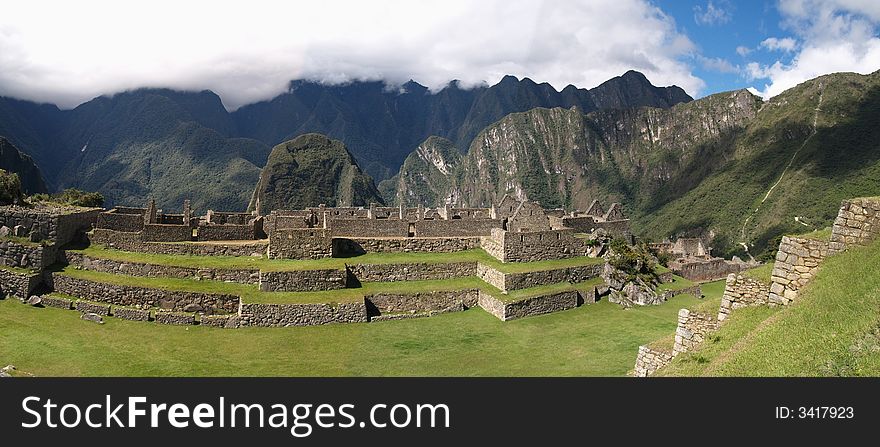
(797, 261)
(692, 330)
(26, 255)
(144, 297)
(55, 224)
(362, 228)
(284, 315)
(515, 281)
(857, 223)
(421, 302)
(166, 233)
(72, 226)
(120, 221)
(527, 307)
(356, 246)
(160, 271)
(588, 224)
(93, 308)
(705, 270)
(132, 242)
(456, 227)
(227, 233)
(411, 271)
(55, 301)
(740, 291)
(303, 280)
(534, 246)
(650, 360)
(291, 243)
(127, 313)
(17, 284)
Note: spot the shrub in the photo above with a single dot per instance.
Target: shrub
(72, 197)
(636, 261)
(10, 188)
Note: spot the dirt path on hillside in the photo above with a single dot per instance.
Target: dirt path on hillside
(787, 167)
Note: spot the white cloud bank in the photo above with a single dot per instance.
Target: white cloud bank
(834, 35)
(68, 52)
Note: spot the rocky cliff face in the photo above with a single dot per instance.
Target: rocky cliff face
(564, 158)
(310, 170)
(13, 161)
(425, 175)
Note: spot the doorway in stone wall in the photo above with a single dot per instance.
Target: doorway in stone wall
(412, 230)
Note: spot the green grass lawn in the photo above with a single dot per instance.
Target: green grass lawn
(832, 329)
(597, 339)
(262, 263)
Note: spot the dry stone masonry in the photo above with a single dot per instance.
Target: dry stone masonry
(797, 261)
(740, 291)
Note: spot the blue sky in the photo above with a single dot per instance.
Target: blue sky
(719, 28)
(771, 45)
(249, 51)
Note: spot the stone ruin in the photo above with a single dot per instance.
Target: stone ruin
(691, 259)
(512, 231)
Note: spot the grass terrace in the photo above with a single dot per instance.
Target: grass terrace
(262, 263)
(596, 340)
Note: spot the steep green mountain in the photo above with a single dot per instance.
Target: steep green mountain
(13, 161)
(728, 167)
(805, 151)
(310, 170)
(381, 126)
(145, 143)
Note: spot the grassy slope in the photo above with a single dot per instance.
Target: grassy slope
(832, 329)
(599, 339)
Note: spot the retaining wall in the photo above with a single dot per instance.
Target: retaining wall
(284, 315)
(160, 271)
(144, 297)
(797, 261)
(515, 281)
(692, 330)
(650, 360)
(411, 271)
(18, 284)
(421, 303)
(132, 242)
(740, 291)
(527, 307)
(303, 280)
(26, 256)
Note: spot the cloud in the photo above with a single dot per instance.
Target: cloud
(786, 44)
(743, 51)
(717, 64)
(713, 14)
(834, 36)
(248, 52)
